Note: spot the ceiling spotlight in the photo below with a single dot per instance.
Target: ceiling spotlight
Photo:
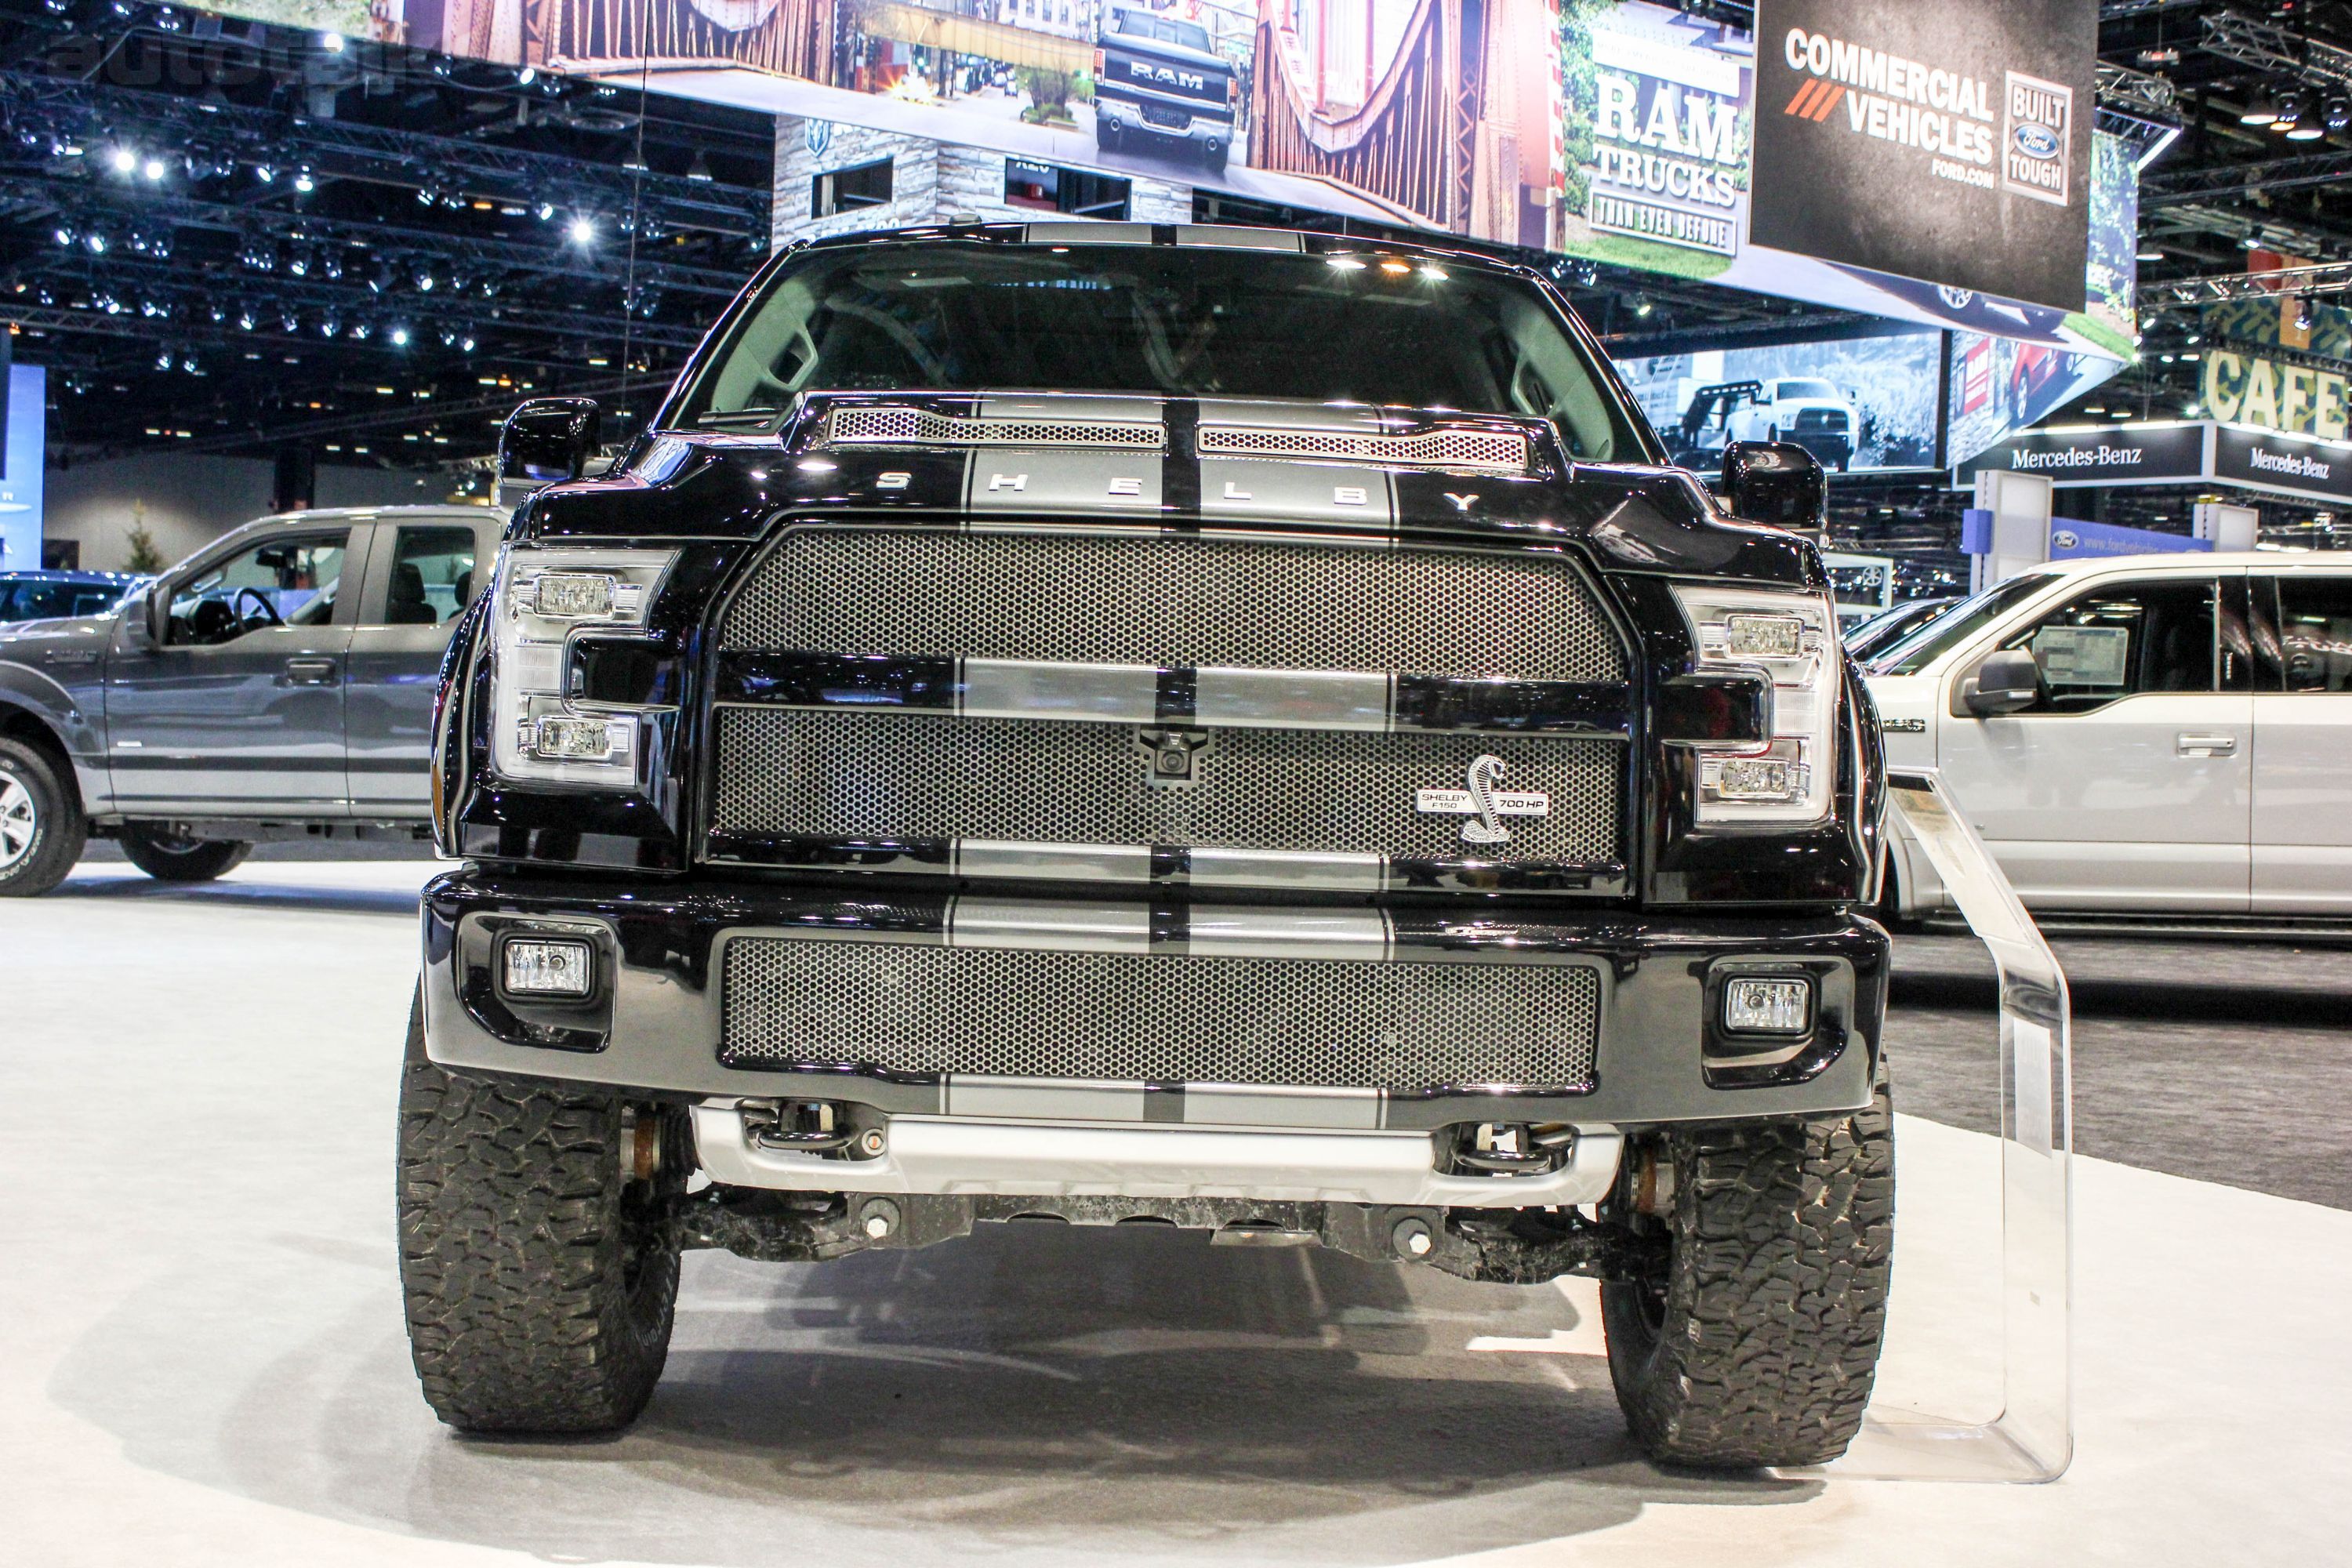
(2306, 128)
(466, 343)
(164, 360)
(699, 168)
(526, 75)
(2338, 114)
(425, 281)
(97, 243)
(2290, 110)
(546, 211)
(2261, 109)
(583, 231)
(302, 180)
(399, 337)
(122, 159)
(1642, 305)
(332, 42)
(2302, 314)
(244, 321)
(2150, 252)
(153, 169)
(65, 236)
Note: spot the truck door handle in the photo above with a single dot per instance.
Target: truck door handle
(311, 671)
(2189, 745)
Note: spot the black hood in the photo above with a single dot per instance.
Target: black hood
(1183, 464)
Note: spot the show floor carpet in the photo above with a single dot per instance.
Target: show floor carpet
(201, 1356)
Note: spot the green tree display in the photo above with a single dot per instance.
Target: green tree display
(144, 555)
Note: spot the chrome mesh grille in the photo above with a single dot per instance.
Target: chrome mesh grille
(1432, 449)
(1020, 1012)
(1095, 598)
(920, 427)
(798, 772)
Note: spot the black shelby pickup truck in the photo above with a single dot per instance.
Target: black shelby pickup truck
(1110, 722)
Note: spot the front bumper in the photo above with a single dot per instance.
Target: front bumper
(656, 1022)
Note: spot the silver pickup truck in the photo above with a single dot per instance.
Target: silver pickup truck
(278, 683)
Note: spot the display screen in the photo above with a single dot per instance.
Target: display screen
(1856, 403)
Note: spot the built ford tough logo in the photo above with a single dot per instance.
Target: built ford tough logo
(1484, 804)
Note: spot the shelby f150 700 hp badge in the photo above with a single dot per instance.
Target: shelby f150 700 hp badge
(1483, 802)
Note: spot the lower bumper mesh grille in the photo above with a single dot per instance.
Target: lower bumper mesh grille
(1038, 1013)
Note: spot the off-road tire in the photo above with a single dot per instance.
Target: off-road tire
(168, 857)
(36, 786)
(540, 1280)
(1759, 1342)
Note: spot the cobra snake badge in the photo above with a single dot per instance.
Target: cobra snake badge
(1487, 827)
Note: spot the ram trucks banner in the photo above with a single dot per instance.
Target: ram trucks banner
(1945, 141)
(1857, 402)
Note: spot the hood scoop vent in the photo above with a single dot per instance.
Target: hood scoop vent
(884, 426)
(1501, 450)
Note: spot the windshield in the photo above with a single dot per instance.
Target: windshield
(1185, 33)
(1957, 624)
(1159, 321)
(1793, 390)
(1888, 627)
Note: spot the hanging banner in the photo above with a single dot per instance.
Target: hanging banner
(1631, 133)
(1949, 141)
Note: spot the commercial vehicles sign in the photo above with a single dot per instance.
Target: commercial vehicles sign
(1947, 141)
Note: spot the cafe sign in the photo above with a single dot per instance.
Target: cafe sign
(2247, 389)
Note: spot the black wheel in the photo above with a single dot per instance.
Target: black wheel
(539, 1271)
(42, 830)
(1108, 138)
(1758, 1341)
(169, 857)
(1215, 160)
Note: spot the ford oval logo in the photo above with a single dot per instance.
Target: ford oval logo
(2065, 539)
(2036, 140)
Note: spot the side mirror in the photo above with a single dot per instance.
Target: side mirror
(138, 619)
(548, 439)
(2006, 682)
(1776, 482)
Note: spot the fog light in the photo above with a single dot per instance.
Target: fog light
(1754, 1006)
(550, 966)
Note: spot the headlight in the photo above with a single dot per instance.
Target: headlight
(1791, 640)
(544, 597)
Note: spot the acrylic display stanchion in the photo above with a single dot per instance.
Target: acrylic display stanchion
(2033, 1438)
